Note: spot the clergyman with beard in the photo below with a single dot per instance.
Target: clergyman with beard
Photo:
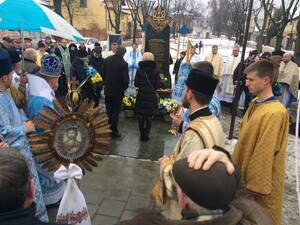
(204, 131)
(42, 93)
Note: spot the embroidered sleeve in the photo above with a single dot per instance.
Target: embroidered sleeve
(191, 142)
(9, 132)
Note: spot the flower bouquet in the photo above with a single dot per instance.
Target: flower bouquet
(128, 103)
(167, 106)
(92, 77)
(128, 106)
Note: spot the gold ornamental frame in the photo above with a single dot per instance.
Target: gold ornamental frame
(80, 136)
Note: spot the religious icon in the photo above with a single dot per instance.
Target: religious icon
(72, 140)
(79, 136)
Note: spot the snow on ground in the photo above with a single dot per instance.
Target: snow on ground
(225, 47)
(291, 215)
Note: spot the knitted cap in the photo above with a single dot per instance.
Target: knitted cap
(7, 39)
(98, 49)
(82, 53)
(14, 56)
(5, 63)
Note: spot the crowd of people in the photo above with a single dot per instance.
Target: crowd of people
(200, 182)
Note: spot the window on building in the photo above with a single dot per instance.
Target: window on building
(83, 3)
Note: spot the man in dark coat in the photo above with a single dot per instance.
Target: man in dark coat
(116, 80)
(247, 62)
(73, 50)
(17, 190)
(78, 74)
(7, 43)
(177, 65)
(63, 52)
(96, 61)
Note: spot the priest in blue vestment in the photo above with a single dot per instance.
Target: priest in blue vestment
(14, 128)
(42, 89)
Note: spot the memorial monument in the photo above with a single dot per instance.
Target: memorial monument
(158, 41)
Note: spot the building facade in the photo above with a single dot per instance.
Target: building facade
(91, 19)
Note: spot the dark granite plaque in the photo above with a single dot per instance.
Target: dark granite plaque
(158, 42)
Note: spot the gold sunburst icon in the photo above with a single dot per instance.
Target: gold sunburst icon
(78, 136)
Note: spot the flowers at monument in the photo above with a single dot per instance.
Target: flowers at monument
(163, 78)
(128, 102)
(167, 105)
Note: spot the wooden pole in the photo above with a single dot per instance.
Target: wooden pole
(188, 49)
(238, 86)
(178, 46)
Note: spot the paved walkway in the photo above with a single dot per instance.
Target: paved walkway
(121, 184)
(116, 188)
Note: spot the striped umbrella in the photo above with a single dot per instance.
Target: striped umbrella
(33, 16)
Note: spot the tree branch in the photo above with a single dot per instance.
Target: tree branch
(109, 16)
(268, 11)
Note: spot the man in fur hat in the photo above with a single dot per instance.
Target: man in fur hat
(204, 131)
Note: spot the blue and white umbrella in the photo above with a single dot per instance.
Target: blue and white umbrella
(32, 16)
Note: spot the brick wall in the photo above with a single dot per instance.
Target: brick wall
(101, 35)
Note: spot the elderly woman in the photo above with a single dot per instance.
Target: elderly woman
(30, 65)
(147, 80)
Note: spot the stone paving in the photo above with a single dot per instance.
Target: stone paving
(123, 181)
(116, 188)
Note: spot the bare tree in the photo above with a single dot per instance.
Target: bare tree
(238, 10)
(74, 9)
(114, 7)
(215, 16)
(262, 26)
(70, 8)
(186, 13)
(134, 7)
(146, 8)
(279, 20)
(57, 6)
(166, 4)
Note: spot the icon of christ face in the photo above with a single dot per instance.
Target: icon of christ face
(71, 140)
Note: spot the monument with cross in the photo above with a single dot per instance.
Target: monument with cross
(158, 41)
